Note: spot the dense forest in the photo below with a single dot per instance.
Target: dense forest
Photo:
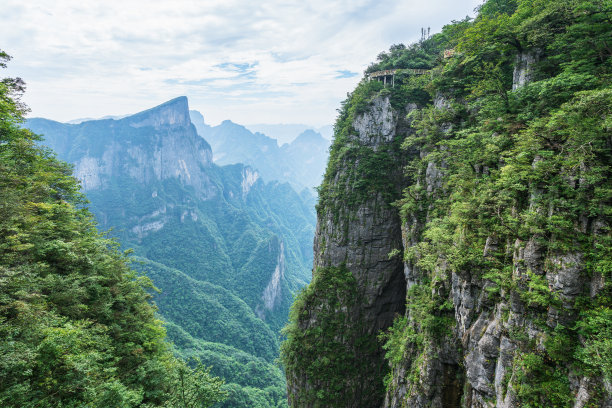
(498, 169)
(77, 327)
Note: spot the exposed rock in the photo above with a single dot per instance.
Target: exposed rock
(361, 237)
(249, 177)
(377, 125)
(272, 293)
(523, 68)
(174, 113)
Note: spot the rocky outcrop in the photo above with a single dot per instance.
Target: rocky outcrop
(356, 233)
(174, 113)
(151, 146)
(486, 324)
(249, 178)
(523, 68)
(141, 152)
(272, 295)
(476, 363)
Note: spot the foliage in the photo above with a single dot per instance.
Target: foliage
(76, 324)
(212, 252)
(355, 171)
(596, 328)
(197, 387)
(518, 165)
(334, 349)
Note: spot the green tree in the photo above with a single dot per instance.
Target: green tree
(76, 324)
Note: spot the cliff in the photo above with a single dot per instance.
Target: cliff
(358, 288)
(152, 146)
(463, 232)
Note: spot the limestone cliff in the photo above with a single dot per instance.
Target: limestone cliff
(463, 237)
(152, 146)
(354, 275)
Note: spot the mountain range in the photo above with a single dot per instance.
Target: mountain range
(287, 132)
(300, 162)
(226, 249)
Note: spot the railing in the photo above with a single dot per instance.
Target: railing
(391, 72)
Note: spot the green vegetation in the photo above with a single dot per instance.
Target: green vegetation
(76, 324)
(530, 164)
(211, 248)
(355, 172)
(313, 351)
(522, 158)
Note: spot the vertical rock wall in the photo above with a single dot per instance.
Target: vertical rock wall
(356, 233)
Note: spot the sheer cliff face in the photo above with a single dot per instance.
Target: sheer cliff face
(361, 236)
(354, 275)
(498, 335)
(151, 146)
(504, 232)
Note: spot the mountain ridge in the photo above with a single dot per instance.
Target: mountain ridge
(150, 177)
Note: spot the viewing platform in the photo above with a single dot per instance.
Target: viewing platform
(391, 73)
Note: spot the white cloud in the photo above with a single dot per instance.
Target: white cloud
(90, 58)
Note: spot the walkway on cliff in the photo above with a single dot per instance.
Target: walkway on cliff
(390, 73)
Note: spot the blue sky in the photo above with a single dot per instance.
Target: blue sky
(266, 61)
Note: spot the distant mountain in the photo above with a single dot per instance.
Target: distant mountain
(286, 133)
(301, 162)
(81, 120)
(307, 156)
(226, 249)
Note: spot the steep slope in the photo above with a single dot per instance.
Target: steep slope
(357, 288)
(504, 223)
(150, 177)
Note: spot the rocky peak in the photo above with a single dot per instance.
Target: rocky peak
(173, 113)
(309, 136)
(151, 146)
(355, 234)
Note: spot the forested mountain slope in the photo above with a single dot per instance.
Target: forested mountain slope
(226, 249)
(76, 324)
(473, 202)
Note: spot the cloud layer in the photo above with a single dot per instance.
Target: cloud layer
(270, 61)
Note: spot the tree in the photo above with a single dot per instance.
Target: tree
(76, 324)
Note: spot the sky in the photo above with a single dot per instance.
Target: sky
(265, 61)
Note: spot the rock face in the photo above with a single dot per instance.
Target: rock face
(271, 296)
(358, 238)
(523, 68)
(155, 145)
(489, 313)
(473, 365)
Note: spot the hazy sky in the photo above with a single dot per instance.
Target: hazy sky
(266, 61)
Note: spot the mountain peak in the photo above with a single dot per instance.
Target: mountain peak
(228, 122)
(309, 135)
(174, 112)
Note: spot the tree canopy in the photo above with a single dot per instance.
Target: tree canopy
(76, 324)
